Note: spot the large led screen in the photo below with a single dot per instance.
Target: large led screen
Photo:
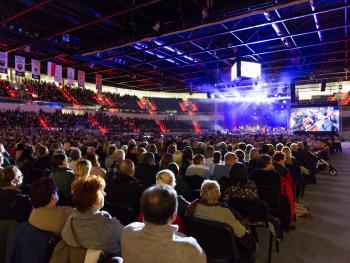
(315, 119)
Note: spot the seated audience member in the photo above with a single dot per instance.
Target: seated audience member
(157, 240)
(118, 157)
(181, 187)
(132, 153)
(26, 163)
(307, 160)
(109, 159)
(82, 169)
(266, 176)
(223, 170)
(208, 155)
(198, 167)
(62, 176)
(238, 184)
(254, 158)
(292, 165)
(216, 161)
(186, 161)
(75, 156)
(166, 177)
(240, 156)
(14, 205)
(6, 156)
(146, 170)
(165, 160)
(279, 147)
(125, 188)
(287, 186)
(42, 161)
(96, 167)
(208, 207)
(46, 215)
(88, 227)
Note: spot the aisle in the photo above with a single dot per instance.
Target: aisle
(326, 237)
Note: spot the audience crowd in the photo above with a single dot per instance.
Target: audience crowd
(129, 196)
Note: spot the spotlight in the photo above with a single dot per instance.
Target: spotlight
(20, 29)
(156, 26)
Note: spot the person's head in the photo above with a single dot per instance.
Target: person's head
(171, 148)
(216, 157)
(230, 158)
(93, 158)
(43, 193)
(208, 152)
(88, 194)
(187, 156)
(293, 147)
(240, 155)
(152, 148)
(148, 159)
(132, 148)
(265, 162)
(271, 149)
(159, 204)
(11, 176)
(124, 148)
(82, 168)
(1, 159)
(242, 146)
(210, 191)
(178, 157)
(254, 154)
(279, 147)
(238, 174)
(166, 177)
(287, 154)
(111, 149)
(198, 159)
(301, 146)
(75, 153)
(59, 160)
(43, 151)
(127, 167)
(264, 149)
(166, 159)
(174, 168)
(26, 154)
(119, 155)
(278, 157)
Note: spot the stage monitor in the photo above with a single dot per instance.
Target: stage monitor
(245, 69)
(315, 119)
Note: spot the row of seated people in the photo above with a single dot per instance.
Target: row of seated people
(125, 183)
(48, 91)
(113, 123)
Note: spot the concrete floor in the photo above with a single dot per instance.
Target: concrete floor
(326, 237)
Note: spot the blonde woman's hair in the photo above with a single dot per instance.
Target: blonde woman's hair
(166, 177)
(287, 155)
(82, 168)
(210, 190)
(254, 154)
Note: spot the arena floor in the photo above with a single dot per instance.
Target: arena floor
(326, 237)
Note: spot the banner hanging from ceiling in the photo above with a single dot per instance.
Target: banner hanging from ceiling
(51, 68)
(81, 79)
(70, 76)
(98, 82)
(20, 65)
(35, 69)
(3, 62)
(58, 74)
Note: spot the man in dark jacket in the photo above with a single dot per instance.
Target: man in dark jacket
(125, 188)
(146, 171)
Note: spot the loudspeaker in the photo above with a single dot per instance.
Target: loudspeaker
(292, 91)
(208, 95)
(323, 85)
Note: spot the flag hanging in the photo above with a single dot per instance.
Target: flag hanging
(35, 69)
(3, 62)
(58, 74)
(81, 78)
(98, 82)
(70, 76)
(20, 65)
(51, 69)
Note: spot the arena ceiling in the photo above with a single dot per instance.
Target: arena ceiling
(172, 45)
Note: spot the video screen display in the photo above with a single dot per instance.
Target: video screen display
(315, 119)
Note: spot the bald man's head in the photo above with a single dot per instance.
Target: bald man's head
(127, 167)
